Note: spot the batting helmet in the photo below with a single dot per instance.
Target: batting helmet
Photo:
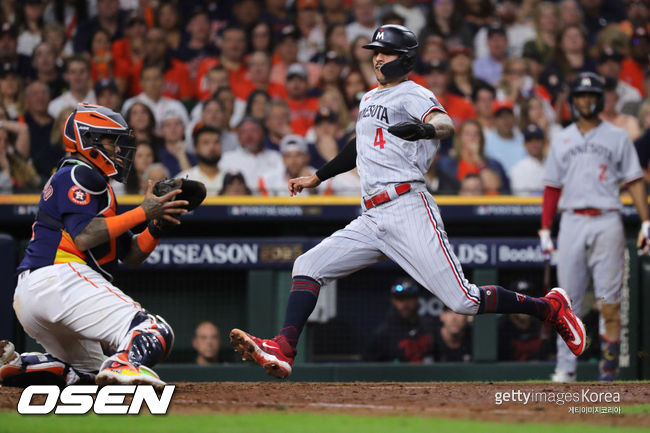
(85, 131)
(588, 82)
(399, 40)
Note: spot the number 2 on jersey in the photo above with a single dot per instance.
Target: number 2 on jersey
(603, 169)
(379, 138)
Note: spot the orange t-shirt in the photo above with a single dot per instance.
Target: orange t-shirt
(632, 74)
(236, 77)
(177, 81)
(302, 114)
(243, 88)
(457, 107)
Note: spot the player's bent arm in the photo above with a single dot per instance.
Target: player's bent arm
(442, 123)
(346, 160)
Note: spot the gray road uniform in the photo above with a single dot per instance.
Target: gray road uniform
(407, 229)
(590, 169)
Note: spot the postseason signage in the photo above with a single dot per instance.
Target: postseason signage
(264, 253)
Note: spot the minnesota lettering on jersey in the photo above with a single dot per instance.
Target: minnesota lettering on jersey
(377, 111)
(587, 148)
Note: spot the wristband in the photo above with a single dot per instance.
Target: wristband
(146, 242)
(119, 224)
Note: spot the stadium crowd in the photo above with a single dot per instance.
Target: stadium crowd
(244, 94)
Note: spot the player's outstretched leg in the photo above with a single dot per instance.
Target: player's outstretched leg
(148, 342)
(277, 354)
(33, 368)
(554, 308)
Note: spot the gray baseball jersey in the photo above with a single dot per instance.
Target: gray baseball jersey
(590, 168)
(590, 248)
(408, 229)
(382, 158)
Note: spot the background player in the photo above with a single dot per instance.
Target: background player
(398, 130)
(587, 164)
(64, 298)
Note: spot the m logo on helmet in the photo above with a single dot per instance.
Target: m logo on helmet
(380, 35)
(586, 82)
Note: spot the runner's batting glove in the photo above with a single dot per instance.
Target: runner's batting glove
(193, 191)
(545, 241)
(412, 131)
(643, 242)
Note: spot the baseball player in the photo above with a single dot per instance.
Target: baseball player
(587, 164)
(398, 131)
(64, 298)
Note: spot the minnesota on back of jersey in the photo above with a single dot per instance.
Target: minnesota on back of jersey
(382, 158)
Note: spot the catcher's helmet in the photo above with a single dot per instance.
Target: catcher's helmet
(588, 82)
(399, 40)
(87, 126)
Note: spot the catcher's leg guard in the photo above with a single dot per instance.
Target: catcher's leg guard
(41, 369)
(149, 341)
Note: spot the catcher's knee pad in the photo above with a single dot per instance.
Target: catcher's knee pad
(150, 340)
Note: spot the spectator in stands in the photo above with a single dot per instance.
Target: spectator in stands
(258, 78)
(206, 342)
(452, 342)
(295, 158)
(232, 44)
(40, 124)
(522, 337)
(141, 120)
(539, 112)
(101, 57)
(511, 15)
(526, 176)
(107, 94)
(361, 60)
(439, 182)
(29, 19)
(276, 13)
(597, 14)
(17, 174)
(302, 107)
(570, 13)
(54, 33)
(309, 22)
(207, 145)
(155, 173)
(143, 157)
(333, 99)
(9, 49)
(250, 158)
(365, 20)
(469, 156)
(610, 66)
(336, 40)
(444, 19)
(234, 184)
(330, 137)
(46, 70)
(109, 17)
(610, 113)
(353, 85)
(233, 108)
(261, 38)
(129, 51)
(409, 12)
(490, 66)
(212, 114)
(168, 19)
(151, 78)
(246, 13)
(56, 145)
(437, 79)
(505, 143)
(332, 70)
(403, 336)
(516, 84)
(197, 45)
(547, 25)
(335, 12)
(258, 104)
(173, 154)
(11, 90)
(642, 144)
(633, 67)
(277, 124)
(77, 75)
(471, 186)
(462, 81)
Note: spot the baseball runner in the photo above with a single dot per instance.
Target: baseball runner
(587, 164)
(397, 134)
(64, 298)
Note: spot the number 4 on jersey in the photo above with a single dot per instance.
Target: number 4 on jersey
(379, 138)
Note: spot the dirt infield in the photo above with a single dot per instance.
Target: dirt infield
(448, 400)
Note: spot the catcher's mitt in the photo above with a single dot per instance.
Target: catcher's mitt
(193, 191)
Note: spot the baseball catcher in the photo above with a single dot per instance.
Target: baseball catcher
(64, 298)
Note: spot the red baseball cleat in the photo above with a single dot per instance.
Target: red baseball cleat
(564, 320)
(267, 353)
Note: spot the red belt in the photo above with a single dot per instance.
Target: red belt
(383, 196)
(590, 211)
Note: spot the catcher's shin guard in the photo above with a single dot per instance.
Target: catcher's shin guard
(149, 341)
(41, 369)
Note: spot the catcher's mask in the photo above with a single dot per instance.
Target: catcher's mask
(91, 130)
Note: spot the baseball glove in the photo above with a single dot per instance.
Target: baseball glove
(193, 191)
